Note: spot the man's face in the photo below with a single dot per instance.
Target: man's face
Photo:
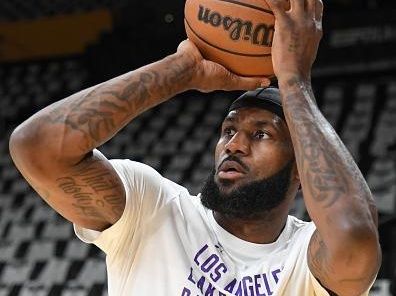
(254, 159)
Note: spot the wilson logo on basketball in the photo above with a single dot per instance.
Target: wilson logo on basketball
(258, 34)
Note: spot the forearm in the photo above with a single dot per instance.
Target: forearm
(335, 192)
(74, 126)
(343, 252)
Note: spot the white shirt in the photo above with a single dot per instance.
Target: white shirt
(167, 243)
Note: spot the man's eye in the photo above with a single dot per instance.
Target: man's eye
(229, 132)
(261, 135)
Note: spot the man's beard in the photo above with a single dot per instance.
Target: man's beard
(248, 201)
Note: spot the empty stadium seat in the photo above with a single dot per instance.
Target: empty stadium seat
(22, 231)
(15, 272)
(92, 272)
(71, 290)
(359, 120)
(8, 249)
(382, 182)
(54, 271)
(332, 103)
(76, 250)
(34, 289)
(384, 134)
(40, 250)
(57, 230)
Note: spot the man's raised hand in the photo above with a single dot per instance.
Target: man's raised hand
(209, 76)
(298, 31)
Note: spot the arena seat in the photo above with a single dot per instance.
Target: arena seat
(15, 272)
(358, 122)
(332, 103)
(382, 182)
(53, 271)
(384, 134)
(92, 272)
(7, 249)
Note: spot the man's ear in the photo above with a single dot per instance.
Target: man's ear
(296, 175)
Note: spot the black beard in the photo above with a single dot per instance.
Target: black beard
(248, 201)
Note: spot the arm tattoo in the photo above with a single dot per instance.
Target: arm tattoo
(90, 188)
(326, 182)
(335, 193)
(328, 171)
(98, 113)
(321, 268)
(317, 260)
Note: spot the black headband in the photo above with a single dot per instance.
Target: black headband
(265, 98)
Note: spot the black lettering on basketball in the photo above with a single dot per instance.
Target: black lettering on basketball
(235, 26)
(203, 14)
(263, 35)
(215, 19)
(259, 34)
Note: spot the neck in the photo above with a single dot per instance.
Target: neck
(264, 229)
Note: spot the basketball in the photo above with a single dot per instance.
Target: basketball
(234, 33)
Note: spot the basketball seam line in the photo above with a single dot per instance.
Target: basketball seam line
(225, 50)
(248, 5)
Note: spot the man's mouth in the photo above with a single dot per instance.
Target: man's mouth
(230, 170)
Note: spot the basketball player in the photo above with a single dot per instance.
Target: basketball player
(235, 238)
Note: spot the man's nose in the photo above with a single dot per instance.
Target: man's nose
(238, 144)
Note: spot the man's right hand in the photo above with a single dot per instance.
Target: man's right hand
(209, 76)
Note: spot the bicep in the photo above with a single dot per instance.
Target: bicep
(349, 272)
(89, 194)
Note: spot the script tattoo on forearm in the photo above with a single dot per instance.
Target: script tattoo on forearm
(100, 112)
(91, 188)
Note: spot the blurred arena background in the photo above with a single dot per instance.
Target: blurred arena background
(51, 49)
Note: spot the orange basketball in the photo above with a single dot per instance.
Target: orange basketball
(235, 33)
